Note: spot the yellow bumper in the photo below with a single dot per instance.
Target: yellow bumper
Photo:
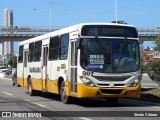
(130, 92)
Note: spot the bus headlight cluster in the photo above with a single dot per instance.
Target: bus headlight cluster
(134, 82)
(87, 81)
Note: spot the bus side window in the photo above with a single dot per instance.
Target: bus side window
(20, 57)
(64, 40)
(37, 51)
(31, 52)
(54, 48)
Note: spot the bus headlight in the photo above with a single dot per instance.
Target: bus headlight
(87, 81)
(135, 82)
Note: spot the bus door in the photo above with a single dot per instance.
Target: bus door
(44, 74)
(73, 66)
(24, 83)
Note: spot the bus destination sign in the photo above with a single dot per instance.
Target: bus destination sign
(109, 31)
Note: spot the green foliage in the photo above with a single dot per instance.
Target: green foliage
(143, 68)
(12, 61)
(119, 22)
(153, 70)
(157, 48)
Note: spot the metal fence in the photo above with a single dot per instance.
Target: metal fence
(148, 31)
(143, 31)
(28, 29)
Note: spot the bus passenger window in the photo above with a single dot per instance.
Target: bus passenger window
(54, 48)
(64, 40)
(37, 51)
(31, 52)
(20, 58)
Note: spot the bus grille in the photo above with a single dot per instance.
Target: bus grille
(115, 85)
(109, 91)
(108, 78)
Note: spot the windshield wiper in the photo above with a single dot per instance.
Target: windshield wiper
(119, 57)
(101, 48)
(122, 45)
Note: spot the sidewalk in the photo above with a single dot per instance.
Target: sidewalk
(9, 77)
(147, 82)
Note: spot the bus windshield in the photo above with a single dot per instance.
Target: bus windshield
(109, 55)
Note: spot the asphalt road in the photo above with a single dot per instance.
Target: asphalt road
(16, 99)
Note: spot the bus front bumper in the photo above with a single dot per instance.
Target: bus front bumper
(128, 92)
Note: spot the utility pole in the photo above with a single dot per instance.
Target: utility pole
(116, 11)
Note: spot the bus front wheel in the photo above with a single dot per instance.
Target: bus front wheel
(64, 98)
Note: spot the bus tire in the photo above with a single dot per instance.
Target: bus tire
(64, 98)
(17, 85)
(111, 101)
(31, 92)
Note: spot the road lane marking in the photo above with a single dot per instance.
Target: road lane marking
(84, 118)
(36, 103)
(7, 93)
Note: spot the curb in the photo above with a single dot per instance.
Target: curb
(6, 78)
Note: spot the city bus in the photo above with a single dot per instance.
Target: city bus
(87, 60)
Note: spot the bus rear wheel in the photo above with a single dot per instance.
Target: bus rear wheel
(64, 98)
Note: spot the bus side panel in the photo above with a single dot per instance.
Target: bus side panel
(25, 82)
(36, 75)
(53, 86)
(20, 74)
(37, 84)
(20, 81)
(68, 90)
(52, 76)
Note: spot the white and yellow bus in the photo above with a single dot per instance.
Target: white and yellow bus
(97, 60)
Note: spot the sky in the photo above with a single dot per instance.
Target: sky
(140, 13)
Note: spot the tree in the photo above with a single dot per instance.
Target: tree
(153, 70)
(119, 22)
(157, 47)
(153, 67)
(12, 61)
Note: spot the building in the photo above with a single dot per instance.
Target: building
(149, 55)
(156, 55)
(6, 47)
(1, 48)
(8, 18)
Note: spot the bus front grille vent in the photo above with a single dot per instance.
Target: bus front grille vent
(109, 91)
(109, 78)
(107, 85)
(119, 85)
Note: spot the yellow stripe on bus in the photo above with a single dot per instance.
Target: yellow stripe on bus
(83, 90)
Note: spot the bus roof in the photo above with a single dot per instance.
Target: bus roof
(67, 30)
